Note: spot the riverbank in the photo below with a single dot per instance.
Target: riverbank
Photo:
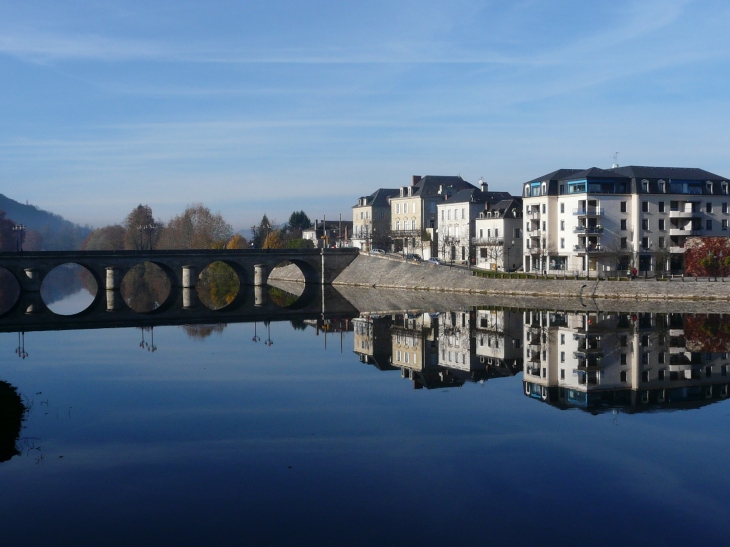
(384, 273)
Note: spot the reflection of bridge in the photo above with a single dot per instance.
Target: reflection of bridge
(252, 266)
(181, 308)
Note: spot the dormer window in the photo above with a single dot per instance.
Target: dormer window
(662, 186)
(527, 191)
(544, 189)
(708, 185)
(645, 186)
(724, 187)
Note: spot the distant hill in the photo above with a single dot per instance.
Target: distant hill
(57, 233)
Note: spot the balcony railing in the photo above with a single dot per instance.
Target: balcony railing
(587, 249)
(589, 212)
(487, 241)
(588, 230)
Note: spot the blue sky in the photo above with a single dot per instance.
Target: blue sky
(254, 107)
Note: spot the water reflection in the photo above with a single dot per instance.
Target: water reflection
(593, 360)
(12, 411)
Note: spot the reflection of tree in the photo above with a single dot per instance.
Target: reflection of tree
(66, 280)
(145, 287)
(281, 297)
(201, 332)
(12, 411)
(707, 333)
(218, 285)
(298, 324)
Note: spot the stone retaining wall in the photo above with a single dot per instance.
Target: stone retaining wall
(376, 272)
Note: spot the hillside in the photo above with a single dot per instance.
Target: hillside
(56, 232)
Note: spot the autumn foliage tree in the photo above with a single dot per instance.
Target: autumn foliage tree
(707, 257)
(196, 228)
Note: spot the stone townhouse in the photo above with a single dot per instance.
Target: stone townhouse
(371, 220)
(498, 236)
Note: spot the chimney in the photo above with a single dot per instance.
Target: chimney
(483, 185)
(415, 179)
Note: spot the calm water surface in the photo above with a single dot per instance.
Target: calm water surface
(206, 437)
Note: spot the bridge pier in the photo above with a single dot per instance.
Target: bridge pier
(260, 275)
(190, 298)
(114, 300)
(189, 277)
(113, 278)
(32, 280)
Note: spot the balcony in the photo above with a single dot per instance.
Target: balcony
(681, 214)
(487, 241)
(589, 212)
(684, 232)
(588, 353)
(534, 251)
(676, 250)
(590, 249)
(588, 230)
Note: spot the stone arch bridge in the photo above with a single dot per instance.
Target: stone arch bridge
(253, 266)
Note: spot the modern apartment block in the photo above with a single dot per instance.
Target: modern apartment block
(414, 219)
(608, 220)
(497, 237)
(371, 220)
(457, 215)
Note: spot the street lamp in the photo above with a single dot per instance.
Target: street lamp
(19, 229)
(509, 248)
(149, 228)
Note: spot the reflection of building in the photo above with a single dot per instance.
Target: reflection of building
(372, 341)
(498, 340)
(595, 360)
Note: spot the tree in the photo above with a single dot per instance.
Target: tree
(136, 237)
(196, 228)
(8, 238)
(620, 255)
(261, 232)
(707, 256)
(237, 242)
(300, 243)
(298, 221)
(273, 241)
(108, 238)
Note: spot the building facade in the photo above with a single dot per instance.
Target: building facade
(497, 237)
(371, 220)
(607, 221)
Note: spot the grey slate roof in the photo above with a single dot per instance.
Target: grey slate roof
(560, 174)
(379, 198)
(475, 195)
(675, 173)
(430, 184)
(507, 205)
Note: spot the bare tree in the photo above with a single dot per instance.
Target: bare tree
(620, 253)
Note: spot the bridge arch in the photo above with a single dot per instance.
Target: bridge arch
(70, 279)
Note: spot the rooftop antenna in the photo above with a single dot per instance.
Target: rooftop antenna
(615, 160)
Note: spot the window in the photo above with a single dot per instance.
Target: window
(397, 208)
(644, 206)
(674, 206)
(544, 370)
(645, 224)
(624, 243)
(562, 339)
(562, 357)
(661, 224)
(481, 233)
(661, 242)
(708, 207)
(724, 207)
(623, 358)
(623, 206)
(724, 224)
(413, 224)
(623, 375)
(624, 341)
(361, 215)
(562, 243)
(543, 226)
(661, 206)
(448, 214)
(708, 224)
(562, 207)
(645, 376)
(562, 374)
(544, 208)
(397, 225)
(442, 214)
(496, 232)
(661, 374)
(562, 189)
(463, 214)
(645, 186)
(516, 233)
(660, 356)
(562, 225)
(644, 242)
(645, 359)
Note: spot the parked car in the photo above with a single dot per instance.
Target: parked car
(414, 257)
(435, 261)
(377, 252)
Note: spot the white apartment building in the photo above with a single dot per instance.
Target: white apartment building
(457, 216)
(497, 237)
(600, 221)
(371, 220)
